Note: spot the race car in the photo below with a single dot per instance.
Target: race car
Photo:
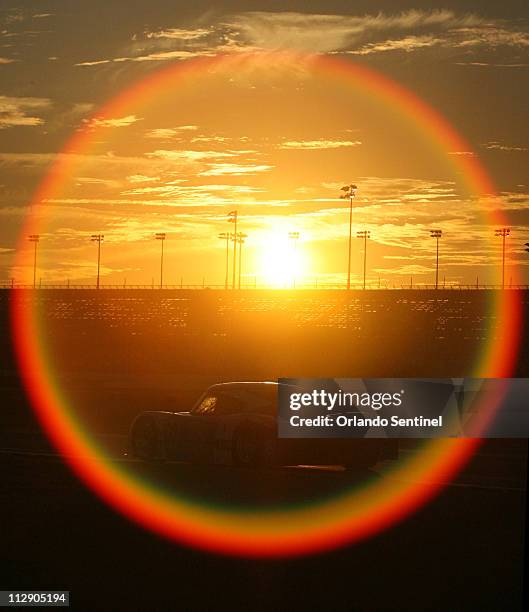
(235, 423)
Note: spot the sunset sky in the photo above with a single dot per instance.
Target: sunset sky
(269, 135)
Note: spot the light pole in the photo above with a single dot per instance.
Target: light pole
(232, 218)
(294, 237)
(98, 238)
(226, 236)
(161, 236)
(527, 247)
(503, 232)
(35, 239)
(240, 239)
(349, 191)
(436, 233)
(365, 235)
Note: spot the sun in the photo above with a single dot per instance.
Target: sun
(282, 259)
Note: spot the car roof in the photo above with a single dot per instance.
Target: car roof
(242, 390)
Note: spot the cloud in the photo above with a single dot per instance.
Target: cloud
(324, 33)
(187, 156)
(152, 57)
(180, 34)
(141, 178)
(94, 63)
(166, 55)
(170, 132)
(192, 201)
(318, 144)
(210, 139)
(88, 180)
(7, 60)
(19, 111)
(377, 187)
(188, 128)
(491, 35)
(14, 16)
(197, 195)
(407, 270)
(408, 43)
(114, 122)
(501, 147)
(82, 108)
(491, 64)
(156, 163)
(234, 169)
(488, 35)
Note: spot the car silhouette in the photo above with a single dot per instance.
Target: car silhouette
(235, 423)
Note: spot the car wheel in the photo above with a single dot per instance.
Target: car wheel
(253, 446)
(146, 439)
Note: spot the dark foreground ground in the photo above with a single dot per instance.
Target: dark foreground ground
(463, 551)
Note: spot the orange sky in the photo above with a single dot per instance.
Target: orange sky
(275, 140)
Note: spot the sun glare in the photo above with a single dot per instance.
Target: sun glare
(282, 261)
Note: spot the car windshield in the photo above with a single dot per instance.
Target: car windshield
(232, 399)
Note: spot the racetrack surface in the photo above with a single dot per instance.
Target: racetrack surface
(59, 536)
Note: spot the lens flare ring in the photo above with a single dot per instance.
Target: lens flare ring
(348, 517)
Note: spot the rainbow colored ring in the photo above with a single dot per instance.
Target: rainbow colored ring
(351, 515)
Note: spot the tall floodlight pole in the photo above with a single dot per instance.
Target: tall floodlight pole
(349, 191)
(436, 233)
(526, 247)
(241, 238)
(226, 236)
(35, 239)
(232, 218)
(98, 238)
(294, 237)
(161, 236)
(503, 232)
(365, 235)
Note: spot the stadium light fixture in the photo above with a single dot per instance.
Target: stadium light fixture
(99, 239)
(35, 239)
(349, 192)
(502, 232)
(161, 236)
(436, 233)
